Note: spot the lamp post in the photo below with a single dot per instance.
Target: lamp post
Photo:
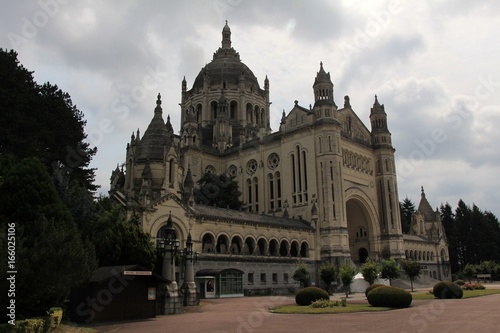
(189, 286)
(169, 247)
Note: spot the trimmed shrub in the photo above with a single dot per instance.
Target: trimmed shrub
(54, 319)
(388, 296)
(447, 289)
(324, 303)
(460, 282)
(33, 325)
(310, 294)
(371, 287)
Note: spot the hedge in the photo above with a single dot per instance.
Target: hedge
(446, 290)
(371, 287)
(310, 294)
(35, 325)
(388, 296)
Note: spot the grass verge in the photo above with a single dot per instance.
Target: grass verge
(362, 307)
(337, 309)
(467, 294)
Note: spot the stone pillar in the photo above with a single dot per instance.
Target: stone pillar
(173, 301)
(189, 286)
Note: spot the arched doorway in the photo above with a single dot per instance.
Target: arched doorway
(359, 228)
(362, 255)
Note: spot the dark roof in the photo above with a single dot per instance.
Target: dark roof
(424, 207)
(246, 217)
(157, 136)
(322, 76)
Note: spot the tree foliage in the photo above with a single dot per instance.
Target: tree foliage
(390, 270)
(370, 270)
(51, 257)
(218, 190)
(328, 272)
(473, 235)
(41, 121)
(118, 242)
(301, 274)
(346, 275)
(412, 269)
(407, 209)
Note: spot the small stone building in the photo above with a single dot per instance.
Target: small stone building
(118, 293)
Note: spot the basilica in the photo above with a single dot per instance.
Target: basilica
(322, 188)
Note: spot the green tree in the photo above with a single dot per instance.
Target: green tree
(121, 242)
(407, 209)
(412, 269)
(470, 271)
(41, 121)
(390, 270)
(301, 274)
(50, 254)
(218, 190)
(328, 272)
(448, 220)
(346, 275)
(370, 270)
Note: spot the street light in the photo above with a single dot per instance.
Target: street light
(169, 247)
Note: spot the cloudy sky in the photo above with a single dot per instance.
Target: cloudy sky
(433, 64)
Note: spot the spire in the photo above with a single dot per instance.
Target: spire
(226, 37)
(377, 107)
(158, 109)
(322, 76)
(188, 181)
(170, 129)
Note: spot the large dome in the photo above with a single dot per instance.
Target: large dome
(225, 66)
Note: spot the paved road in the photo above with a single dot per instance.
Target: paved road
(251, 315)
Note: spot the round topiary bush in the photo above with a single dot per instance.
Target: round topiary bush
(371, 287)
(447, 289)
(388, 296)
(310, 294)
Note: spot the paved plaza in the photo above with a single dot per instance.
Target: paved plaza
(251, 315)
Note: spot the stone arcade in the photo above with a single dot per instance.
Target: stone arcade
(321, 188)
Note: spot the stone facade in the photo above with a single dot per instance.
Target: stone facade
(321, 188)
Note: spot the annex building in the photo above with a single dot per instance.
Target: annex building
(323, 187)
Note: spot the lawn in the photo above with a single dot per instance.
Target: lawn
(365, 307)
(467, 294)
(337, 309)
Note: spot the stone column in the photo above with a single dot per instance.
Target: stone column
(189, 286)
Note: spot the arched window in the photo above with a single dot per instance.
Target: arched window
(171, 172)
(304, 250)
(299, 176)
(233, 109)
(273, 247)
(262, 247)
(236, 245)
(294, 249)
(222, 244)
(208, 243)
(213, 109)
(284, 248)
(249, 247)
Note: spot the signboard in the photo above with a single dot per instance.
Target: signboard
(151, 294)
(137, 273)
